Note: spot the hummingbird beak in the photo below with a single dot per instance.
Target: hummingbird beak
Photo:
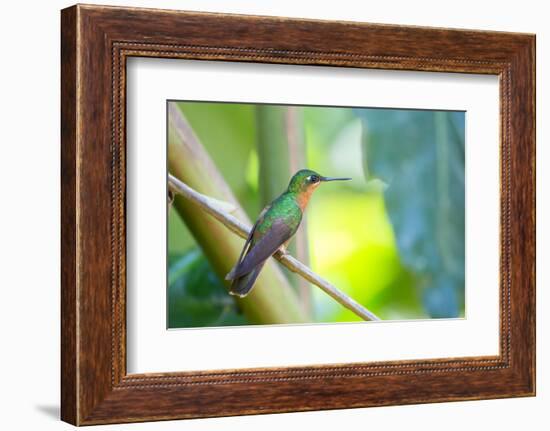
(334, 179)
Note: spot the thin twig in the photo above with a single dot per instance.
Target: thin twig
(190, 162)
(236, 226)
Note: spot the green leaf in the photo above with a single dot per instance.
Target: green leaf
(419, 155)
(182, 264)
(196, 296)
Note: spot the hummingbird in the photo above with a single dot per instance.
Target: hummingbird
(274, 228)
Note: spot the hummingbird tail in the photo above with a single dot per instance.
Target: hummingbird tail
(243, 285)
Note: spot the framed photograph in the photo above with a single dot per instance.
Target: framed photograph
(264, 214)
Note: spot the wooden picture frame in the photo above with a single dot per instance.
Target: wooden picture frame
(96, 41)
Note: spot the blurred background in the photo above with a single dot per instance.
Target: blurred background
(392, 239)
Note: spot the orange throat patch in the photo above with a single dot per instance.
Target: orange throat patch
(304, 197)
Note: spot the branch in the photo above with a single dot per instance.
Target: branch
(189, 161)
(213, 208)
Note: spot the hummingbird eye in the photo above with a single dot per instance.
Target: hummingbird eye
(314, 179)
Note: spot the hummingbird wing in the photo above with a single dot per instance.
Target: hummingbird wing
(230, 275)
(259, 252)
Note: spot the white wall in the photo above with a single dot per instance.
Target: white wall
(29, 225)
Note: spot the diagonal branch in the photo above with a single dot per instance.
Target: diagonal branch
(189, 161)
(213, 207)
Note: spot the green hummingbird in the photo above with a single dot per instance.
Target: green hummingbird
(276, 225)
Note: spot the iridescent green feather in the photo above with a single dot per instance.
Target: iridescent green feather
(284, 208)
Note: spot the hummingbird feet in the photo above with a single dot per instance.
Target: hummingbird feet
(283, 250)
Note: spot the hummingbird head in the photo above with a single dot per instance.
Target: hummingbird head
(304, 182)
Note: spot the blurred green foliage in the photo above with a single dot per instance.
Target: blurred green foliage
(197, 295)
(419, 155)
(393, 239)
